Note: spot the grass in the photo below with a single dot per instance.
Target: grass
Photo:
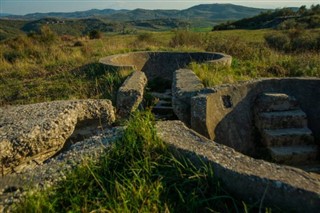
(252, 58)
(139, 173)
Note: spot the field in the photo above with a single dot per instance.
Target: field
(147, 177)
(47, 67)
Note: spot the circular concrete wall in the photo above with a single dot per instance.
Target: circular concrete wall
(162, 64)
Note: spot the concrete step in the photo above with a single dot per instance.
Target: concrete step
(161, 103)
(162, 110)
(162, 96)
(268, 102)
(287, 137)
(294, 155)
(281, 119)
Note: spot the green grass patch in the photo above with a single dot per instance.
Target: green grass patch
(139, 173)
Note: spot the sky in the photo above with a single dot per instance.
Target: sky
(22, 7)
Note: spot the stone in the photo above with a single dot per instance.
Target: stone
(281, 119)
(30, 134)
(286, 137)
(248, 179)
(267, 102)
(230, 121)
(294, 155)
(162, 64)
(130, 94)
(185, 85)
(56, 168)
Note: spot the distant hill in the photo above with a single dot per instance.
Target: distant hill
(109, 20)
(285, 18)
(77, 14)
(10, 28)
(70, 26)
(4, 14)
(206, 13)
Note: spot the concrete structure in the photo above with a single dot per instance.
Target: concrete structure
(162, 64)
(30, 134)
(250, 180)
(226, 115)
(185, 85)
(130, 94)
(283, 130)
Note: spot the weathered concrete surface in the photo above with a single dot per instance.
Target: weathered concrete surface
(56, 168)
(226, 115)
(162, 64)
(130, 94)
(251, 180)
(185, 85)
(283, 130)
(269, 102)
(35, 132)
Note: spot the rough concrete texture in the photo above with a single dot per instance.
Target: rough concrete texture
(270, 102)
(185, 84)
(283, 129)
(13, 186)
(251, 180)
(162, 64)
(226, 115)
(130, 94)
(33, 133)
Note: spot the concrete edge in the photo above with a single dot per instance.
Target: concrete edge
(246, 178)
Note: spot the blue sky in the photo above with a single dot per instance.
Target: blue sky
(25, 6)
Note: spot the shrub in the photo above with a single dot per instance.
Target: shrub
(303, 42)
(95, 34)
(278, 41)
(46, 35)
(293, 41)
(78, 44)
(146, 37)
(233, 46)
(276, 70)
(185, 38)
(13, 56)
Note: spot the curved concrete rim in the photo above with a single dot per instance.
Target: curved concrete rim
(110, 60)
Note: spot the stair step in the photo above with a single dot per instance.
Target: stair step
(285, 137)
(162, 110)
(164, 103)
(281, 119)
(162, 96)
(292, 155)
(268, 102)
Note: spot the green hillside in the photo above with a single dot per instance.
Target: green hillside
(9, 28)
(285, 18)
(204, 14)
(70, 26)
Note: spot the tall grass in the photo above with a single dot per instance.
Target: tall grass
(32, 70)
(137, 174)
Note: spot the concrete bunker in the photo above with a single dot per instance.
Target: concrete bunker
(162, 64)
(160, 68)
(239, 117)
(229, 115)
(232, 114)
